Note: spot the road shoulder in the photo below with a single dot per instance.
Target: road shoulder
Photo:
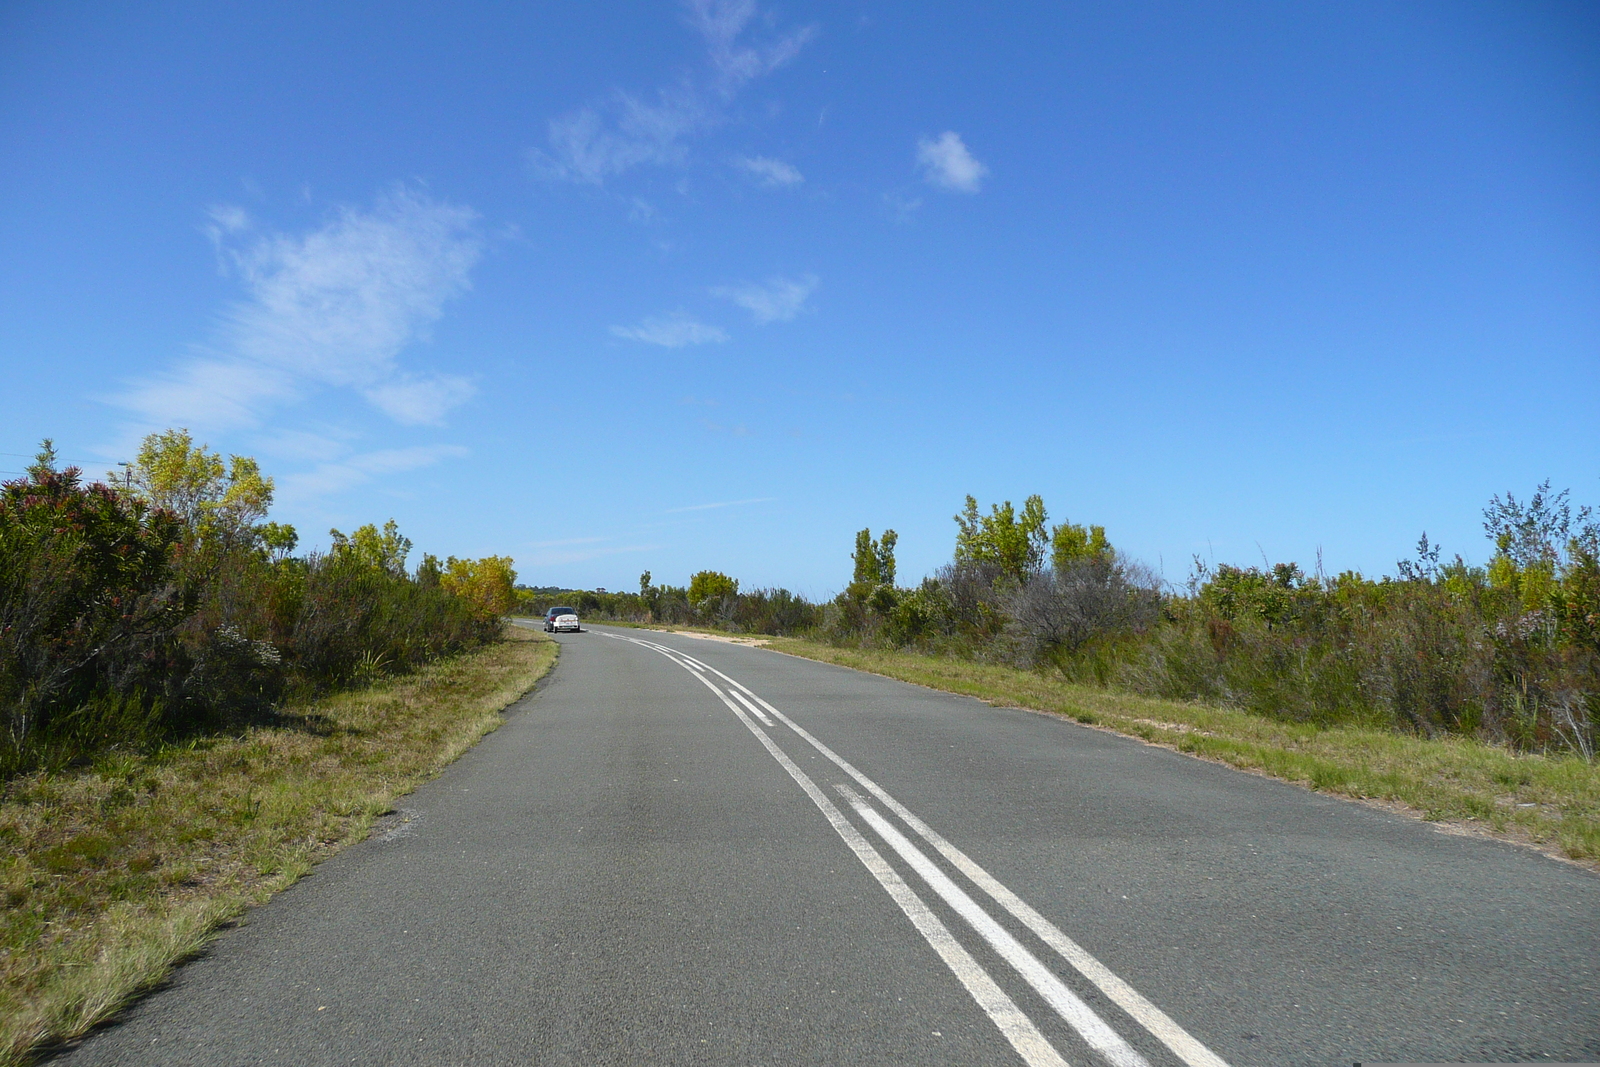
(1547, 803)
(119, 871)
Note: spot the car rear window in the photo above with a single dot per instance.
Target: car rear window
(562, 611)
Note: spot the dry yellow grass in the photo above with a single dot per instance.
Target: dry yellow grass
(1550, 802)
(113, 873)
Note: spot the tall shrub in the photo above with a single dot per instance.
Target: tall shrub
(89, 606)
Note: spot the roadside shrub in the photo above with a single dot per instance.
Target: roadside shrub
(1061, 611)
(918, 615)
(486, 583)
(165, 606)
(89, 606)
(772, 611)
(1509, 652)
(975, 595)
(357, 621)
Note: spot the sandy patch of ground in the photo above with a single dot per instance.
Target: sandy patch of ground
(731, 639)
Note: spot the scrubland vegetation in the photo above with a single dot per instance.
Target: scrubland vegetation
(194, 714)
(117, 870)
(1507, 653)
(1463, 692)
(161, 605)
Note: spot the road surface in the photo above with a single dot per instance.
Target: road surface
(680, 851)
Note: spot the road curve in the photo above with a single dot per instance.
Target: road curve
(686, 851)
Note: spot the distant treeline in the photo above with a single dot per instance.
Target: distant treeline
(710, 599)
(161, 603)
(1509, 652)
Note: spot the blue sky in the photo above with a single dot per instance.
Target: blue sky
(714, 285)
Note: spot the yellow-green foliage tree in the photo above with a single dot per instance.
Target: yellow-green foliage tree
(487, 582)
(709, 589)
(872, 584)
(384, 550)
(1015, 543)
(221, 504)
(1070, 545)
(1547, 561)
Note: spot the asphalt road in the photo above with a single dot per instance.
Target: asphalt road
(649, 865)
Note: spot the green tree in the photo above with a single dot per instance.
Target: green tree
(367, 547)
(429, 571)
(278, 539)
(220, 503)
(486, 582)
(874, 560)
(1537, 543)
(873, 580)
(650, 595)
(1070, 545)
(1015, 543)
(708, 589)
(88, 604)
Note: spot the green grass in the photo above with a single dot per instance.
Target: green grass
(1552, 802)
(113, 873)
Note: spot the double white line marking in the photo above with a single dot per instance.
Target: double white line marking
(1025, 1037)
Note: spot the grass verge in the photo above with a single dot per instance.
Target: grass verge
(1550, 802)
(114, 873)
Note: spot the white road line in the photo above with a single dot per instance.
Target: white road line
(757, 712)
(1074, 1011)
(1183, 1044)
(1034, 1048)
(1018, 1029)
(697, 663)
(684, 658)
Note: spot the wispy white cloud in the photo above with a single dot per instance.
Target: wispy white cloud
(590, 146)
(420, 401)
(778, 300)
(600, 141)
(346, 473)
(722, 23)
(331, 307)
(773, 173)
(720, 504)
(947, 164)
(223, 221)
(671, 331)
(901, 205)
(737, 430)
(338, 304)
(210, 392)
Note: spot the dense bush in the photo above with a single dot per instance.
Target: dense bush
(1059, 613)
(89, 604)
(1509, 652)
(165, 605)
(356, 622)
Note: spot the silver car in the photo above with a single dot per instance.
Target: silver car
(561, 620)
